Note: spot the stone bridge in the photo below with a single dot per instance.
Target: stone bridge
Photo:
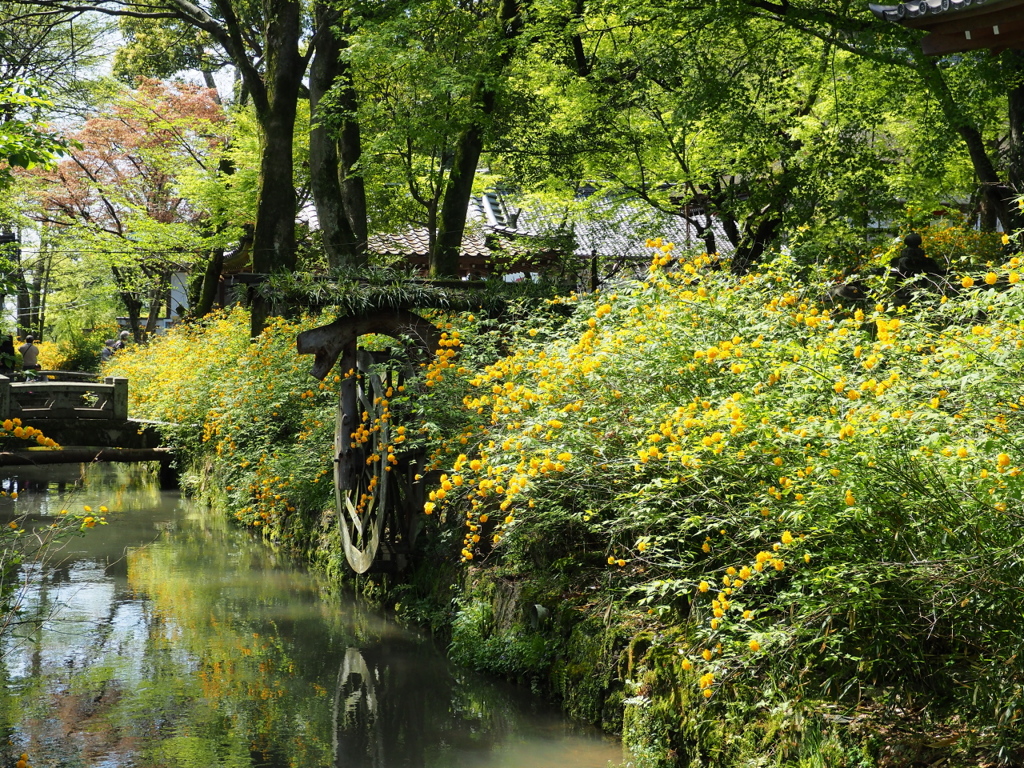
(87, 417)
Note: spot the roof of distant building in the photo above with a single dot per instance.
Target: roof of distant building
(956, 26)
(601, 227)
(917, 9)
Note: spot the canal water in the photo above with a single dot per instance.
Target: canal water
(172, 640)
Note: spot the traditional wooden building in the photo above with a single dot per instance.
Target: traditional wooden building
(957, 26)
(503, 239)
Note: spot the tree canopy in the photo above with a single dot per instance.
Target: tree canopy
(757, 124)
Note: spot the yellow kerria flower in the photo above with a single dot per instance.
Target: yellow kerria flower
(755, 646)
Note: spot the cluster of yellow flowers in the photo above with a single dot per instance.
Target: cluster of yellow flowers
(444, 358)
(14, 427)
(700, 378)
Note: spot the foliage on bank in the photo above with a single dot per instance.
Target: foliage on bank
(790, 525)
(256, 428)
(814, 511)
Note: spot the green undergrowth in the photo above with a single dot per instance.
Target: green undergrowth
(738, 522)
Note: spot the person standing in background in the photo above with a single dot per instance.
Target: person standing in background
(122, 340)
(29, 354)
(108, 350)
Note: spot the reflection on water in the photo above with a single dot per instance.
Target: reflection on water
(173, 640)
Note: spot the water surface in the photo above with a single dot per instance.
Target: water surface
(172, 639)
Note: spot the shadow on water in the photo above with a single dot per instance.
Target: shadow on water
(172, 639)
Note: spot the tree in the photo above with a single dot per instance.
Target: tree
(962, 86)
(119, 195)
(161, 48)
(23, 143)
(53, 52)
(270, 48)
(736, 115)
(335, 145)
(429, 77)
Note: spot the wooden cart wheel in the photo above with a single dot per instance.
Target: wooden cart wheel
(361, 483)
(379, 511)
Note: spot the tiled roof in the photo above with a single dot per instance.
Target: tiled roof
(599, 226)
(416, 242)
(915, 9)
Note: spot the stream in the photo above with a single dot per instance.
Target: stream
(172, 639)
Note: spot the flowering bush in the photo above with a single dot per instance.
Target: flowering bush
(807, 502)
(257, 426)
(806, 509)
(12, 432)
(25, 547)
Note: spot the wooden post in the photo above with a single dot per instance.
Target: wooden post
(119, 397)
(5, 398)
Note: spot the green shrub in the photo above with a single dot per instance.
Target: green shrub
(826, 499)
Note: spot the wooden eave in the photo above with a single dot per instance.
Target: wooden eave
(957, 26)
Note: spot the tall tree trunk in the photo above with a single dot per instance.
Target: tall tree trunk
(41, 287)
(756, 239)
(156, 300)
(1014, 60)
(350, 152)
(324, 179)
(132, 304)
(24, 298)
(274, 240)
(444, 254)
(998, 196)
(338, 188)
(207, 293)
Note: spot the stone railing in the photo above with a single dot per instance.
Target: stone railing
(64, 399)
